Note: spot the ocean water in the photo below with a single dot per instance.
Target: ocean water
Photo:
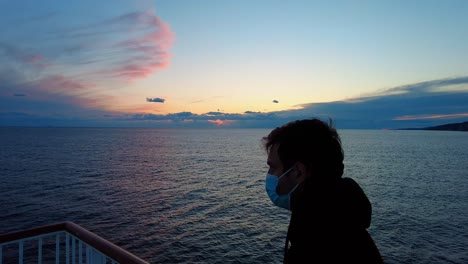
(197, 196)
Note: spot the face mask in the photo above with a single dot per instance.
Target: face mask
(271, 183)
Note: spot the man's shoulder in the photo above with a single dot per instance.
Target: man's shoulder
(349, 184)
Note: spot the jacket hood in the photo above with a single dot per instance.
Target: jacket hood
(341, 203)
(329, 221)
(355, 207)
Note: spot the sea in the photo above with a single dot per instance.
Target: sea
(198, 196)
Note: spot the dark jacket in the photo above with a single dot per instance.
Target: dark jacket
(329, 224)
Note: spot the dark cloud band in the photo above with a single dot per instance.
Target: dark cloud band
(155, 100)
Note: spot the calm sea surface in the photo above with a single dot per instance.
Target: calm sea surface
(197, 196)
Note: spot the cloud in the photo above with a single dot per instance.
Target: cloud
(37, 60)
(220, 122)
(61, 84)
(421, 105)
(73, 66)
(215, 113)
(275, 101)
(79, 59)
(419, 117)
(52, 107)
(14, 59)
(141, 48)
(53, 93)
(249, 119)
(421, 88)
(148, 51)
(155, 100)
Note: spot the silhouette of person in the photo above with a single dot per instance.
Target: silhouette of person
(330, 214)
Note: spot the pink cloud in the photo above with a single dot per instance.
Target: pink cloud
(33, 58)
(151, 50)
(60, 83)
(59, 88)
(37, 60)
(220, 122)
(71, 102)
(146, 18)
(138, 71)
(87, 61)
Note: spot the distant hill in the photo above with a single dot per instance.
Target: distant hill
(447, 127)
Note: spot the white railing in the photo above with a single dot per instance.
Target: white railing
(61, 243)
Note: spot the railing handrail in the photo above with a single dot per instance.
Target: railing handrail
(104, 246)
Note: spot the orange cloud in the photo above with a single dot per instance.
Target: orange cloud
(220, 122)
(417, 117)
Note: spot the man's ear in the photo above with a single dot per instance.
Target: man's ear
(301, 172)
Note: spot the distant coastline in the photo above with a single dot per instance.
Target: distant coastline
(463, 126)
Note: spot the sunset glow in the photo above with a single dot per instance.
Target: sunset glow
(89, 60)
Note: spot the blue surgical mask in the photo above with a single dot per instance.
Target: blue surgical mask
(271, 183)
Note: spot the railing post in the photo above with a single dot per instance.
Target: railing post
(39, 257)
(91, 248)
(73, 250)
(80, 252)
(96, 257)
(88, 254)
(67, 248)
(57, 249)
(20, 252)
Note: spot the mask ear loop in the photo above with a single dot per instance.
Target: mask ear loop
(285, 173)
(291, 192)
(293, 189)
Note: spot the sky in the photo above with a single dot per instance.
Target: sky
(233, 63)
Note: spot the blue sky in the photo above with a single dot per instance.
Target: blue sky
(366, 64)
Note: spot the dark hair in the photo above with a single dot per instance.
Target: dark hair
(312, 142)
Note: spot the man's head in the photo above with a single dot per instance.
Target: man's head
(311, 145)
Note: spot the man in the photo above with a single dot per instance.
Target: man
(329, 214)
